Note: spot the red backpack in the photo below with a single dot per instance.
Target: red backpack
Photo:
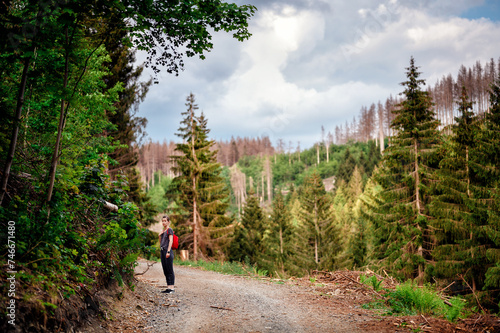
(175, 241)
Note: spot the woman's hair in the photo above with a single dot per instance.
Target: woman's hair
(165, 217)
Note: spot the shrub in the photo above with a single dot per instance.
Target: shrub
(409, 299)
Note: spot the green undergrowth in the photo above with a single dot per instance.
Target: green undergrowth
(409, 299)
(224, 267)
(406, 299)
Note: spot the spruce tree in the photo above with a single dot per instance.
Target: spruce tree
(357, 248)
(459, 239)
(319, 234)
(199, 191)
(279, 238)
(353, 240)
(247, 243)
(346, 167)
(373, 158)
(489, 171)
(401, 213)
(214, 198)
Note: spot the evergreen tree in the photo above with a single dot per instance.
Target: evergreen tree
(459, 248)
(319, 234)
(357, 248)
(355, 187)
(401, 215)
(200, 192)
(353, 240)
(215, 197)
(127, 127)
(247, 243)
(346, 167)
(489, 172)
(278, 240)
(373, 158)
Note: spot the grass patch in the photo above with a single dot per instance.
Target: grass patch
(224, 267)
(409, 299)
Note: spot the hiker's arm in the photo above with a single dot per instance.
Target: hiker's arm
(170, 241)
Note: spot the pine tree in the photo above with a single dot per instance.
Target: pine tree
(374, 156)
(247, 242)
(346, 167)
(200, 192)
(353, 240)
(278, 240)
(357, 247)
(459, 248)
(214, 198)
(401, 215)
(319, 234)
(489, 154)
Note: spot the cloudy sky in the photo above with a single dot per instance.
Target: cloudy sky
(313, 63)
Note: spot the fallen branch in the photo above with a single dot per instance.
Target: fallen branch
(380, 277)
(448, 286)
(426, 320)
(149, 266)
(475, 296)
(389, 277)
(220, 308)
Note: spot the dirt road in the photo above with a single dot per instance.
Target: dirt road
(212, 302)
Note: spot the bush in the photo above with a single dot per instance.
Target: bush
(409, 299)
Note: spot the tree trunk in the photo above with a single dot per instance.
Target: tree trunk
(195, 208)
(467, 170)
(60, 128)
(64, 109)
(317, 153)
(417, 180)
(420, 250)
(316, 229)
(263, 188)
(269, 180)
(195, 223)
(381, 137)
(153, 172)
(327, 152)
(15, 130)
(281, 240)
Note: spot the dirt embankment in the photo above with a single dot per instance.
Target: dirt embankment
(212, 302)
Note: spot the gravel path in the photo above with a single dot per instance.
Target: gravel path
(212, 302)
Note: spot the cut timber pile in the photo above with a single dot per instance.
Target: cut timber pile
(344, 283)
(345, 291)
(348, 277)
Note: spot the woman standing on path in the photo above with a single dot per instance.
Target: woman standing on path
(167, 255)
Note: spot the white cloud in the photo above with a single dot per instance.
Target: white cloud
(306, 66)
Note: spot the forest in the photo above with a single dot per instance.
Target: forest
(423, 206)
(410, 187)
(72, 208)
